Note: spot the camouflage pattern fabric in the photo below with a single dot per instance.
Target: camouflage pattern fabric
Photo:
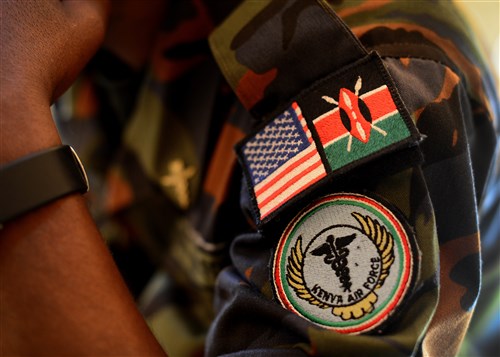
(167, 192)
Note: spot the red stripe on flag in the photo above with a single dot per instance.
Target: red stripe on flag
(284, 173)
(329, 126)
(379, 103)
(293, 193)
(290, 182)
(303, 122)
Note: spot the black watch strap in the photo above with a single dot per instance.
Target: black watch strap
(38, 179)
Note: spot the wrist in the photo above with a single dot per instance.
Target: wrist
(26, 125)
(38, 179)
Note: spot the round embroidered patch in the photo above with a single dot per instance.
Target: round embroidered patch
(344, 263)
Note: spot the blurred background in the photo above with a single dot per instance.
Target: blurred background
(484, 16)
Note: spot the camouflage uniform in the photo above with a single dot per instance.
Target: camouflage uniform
(168, 195)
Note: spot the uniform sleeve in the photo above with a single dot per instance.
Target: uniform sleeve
(360, 182)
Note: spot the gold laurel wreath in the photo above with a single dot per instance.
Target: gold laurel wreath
(384, 242)
(382, 239)
(295, 276)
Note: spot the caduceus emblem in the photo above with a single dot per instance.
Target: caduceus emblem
(335, 252)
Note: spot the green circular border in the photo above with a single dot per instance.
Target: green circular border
(324, 205)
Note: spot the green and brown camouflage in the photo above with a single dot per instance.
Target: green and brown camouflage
(167, 192)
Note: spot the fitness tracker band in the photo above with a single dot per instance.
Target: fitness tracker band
(37, 179)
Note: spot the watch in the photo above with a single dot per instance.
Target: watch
(37, 179)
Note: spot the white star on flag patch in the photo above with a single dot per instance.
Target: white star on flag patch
(282, 160)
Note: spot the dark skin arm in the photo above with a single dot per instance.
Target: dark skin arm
(60, 292)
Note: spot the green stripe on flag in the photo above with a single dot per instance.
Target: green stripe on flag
(396, 130)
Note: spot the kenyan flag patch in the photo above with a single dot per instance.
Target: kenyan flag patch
(339, 123)
(358, 115)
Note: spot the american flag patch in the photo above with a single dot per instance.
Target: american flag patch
(281, 160)
(339, 124)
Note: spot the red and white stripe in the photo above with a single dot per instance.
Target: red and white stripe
(293, 177)
(298, 111)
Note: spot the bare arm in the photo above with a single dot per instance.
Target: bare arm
(60, 292)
